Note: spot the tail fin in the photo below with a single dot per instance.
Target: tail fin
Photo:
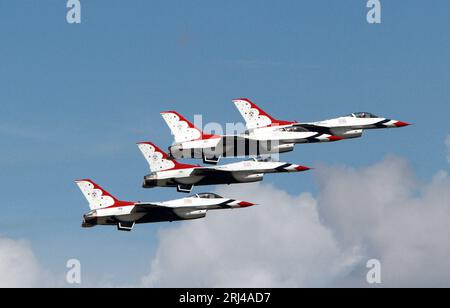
(158, 159)
(254, 116)
(182, 129)
(97, 197)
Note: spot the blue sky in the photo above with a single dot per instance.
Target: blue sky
(75, 98)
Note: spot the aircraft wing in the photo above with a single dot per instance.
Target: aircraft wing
(314, 128)
(149, 207)
(230, 140)
(218, 173)
(344, 131)
(167, 213)
(209, 171)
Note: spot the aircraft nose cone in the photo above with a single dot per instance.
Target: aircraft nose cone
(245, 204)
(302, 168)
(401, 124)
(334, 138)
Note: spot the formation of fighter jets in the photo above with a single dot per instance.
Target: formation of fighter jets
(265, 135)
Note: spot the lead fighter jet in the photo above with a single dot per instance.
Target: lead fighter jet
(107, 210)
(167, 172)
(261, 124)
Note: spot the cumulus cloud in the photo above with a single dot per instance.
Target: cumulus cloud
(380, 212)
(18, 265)
(395, 218)
(279, 243)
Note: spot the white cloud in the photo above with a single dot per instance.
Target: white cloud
(276, 244)
(18, 265)
(380, 212)
(384, 209)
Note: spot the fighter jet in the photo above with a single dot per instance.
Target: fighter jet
(191, 142)
(261, 124)
(109, 211)
(265, 134)
(167, 172)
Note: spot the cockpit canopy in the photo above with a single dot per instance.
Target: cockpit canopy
(208, 196)
(363, 115)
(263, 159)
(295, 129)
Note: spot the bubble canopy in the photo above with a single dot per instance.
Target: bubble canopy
(363, 115)
(207, 196)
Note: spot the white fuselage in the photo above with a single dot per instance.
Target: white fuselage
(239, 172)
(350, 122)
(143, 212)
(281, 138)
